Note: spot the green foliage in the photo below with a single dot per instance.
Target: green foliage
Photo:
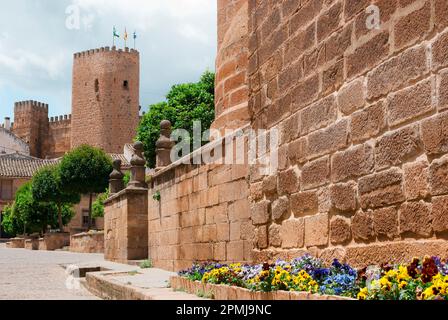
(28, 215)
(10, 223)
(156, 196)
(146, 264)
(85, 170)
(46, 187)
(184, 104)
(126, 178)
(98, 205)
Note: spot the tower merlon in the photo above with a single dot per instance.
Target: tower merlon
(101, 50)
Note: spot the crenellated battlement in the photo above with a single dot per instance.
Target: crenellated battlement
(61, 118)
(92, 52)
(30, 104)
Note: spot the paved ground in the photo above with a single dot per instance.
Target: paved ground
(38, 275)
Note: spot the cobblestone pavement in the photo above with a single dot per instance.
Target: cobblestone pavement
(38, 275)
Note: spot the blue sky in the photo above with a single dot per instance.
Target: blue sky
(176, 40)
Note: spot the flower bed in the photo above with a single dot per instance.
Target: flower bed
(425, 279)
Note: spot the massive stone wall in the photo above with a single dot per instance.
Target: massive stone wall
(59, 136)
(363, 120)
(31, 125)
(105, 98)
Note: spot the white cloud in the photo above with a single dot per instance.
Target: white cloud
(176, 39)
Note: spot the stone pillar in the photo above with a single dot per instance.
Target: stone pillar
(116, 183)
(138, 171)
(164, 146)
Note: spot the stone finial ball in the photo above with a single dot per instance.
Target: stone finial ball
(165, 125)
(138, 146)
(117, 164)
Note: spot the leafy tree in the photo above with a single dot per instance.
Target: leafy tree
(85, 170)
(184, 104)
(47, 188)
(10, 222)
(27, 215)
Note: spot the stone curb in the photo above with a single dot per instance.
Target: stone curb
(224, 292)
(104, 286)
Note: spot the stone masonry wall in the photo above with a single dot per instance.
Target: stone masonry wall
(105, 98)
(231, 93)
(364, 128)
(203, 215)
(59, 136)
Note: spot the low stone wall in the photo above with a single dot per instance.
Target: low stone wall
(54, 241)
(32, 244)
(16, 243)
(224, 292)
(87, 242)
(200, 212)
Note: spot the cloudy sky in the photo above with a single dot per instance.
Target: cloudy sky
(176, 40)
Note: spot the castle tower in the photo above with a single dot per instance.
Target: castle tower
(31, 125)
(105, 98)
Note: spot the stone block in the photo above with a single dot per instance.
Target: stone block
(435, 134)
(288, 181)
(328, 140)
(297, 151)
(343, 197)
(340, 232)
(396, 147)
(351, 97)
(368, 55)
(413, 27)
(316, 230)
(318, 115)
(260, 212)
(275, 239)
(385, 222)
(416, 218)
(329, 21)
(368, 123)
(262, 237)
(381, 189)
(362, 226)
(352, 163)
(438, 176)
(292, 233)
(304, 203)
(280, 208)
(316, 173)
(396, 72)
(416, 179)
(440, 214)
(411, 102)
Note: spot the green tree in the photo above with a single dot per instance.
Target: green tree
(28, 215)
(46, 187)
(184, 104)
(85, 170)
(10, 222)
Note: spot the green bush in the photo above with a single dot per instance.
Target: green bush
(184, 104)
(85, 170)
(27, 215)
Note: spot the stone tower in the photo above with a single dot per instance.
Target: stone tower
(31, 125)
(105, 98)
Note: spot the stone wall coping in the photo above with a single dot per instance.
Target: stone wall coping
(83, 234)
(187, 159)
(125, 192)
